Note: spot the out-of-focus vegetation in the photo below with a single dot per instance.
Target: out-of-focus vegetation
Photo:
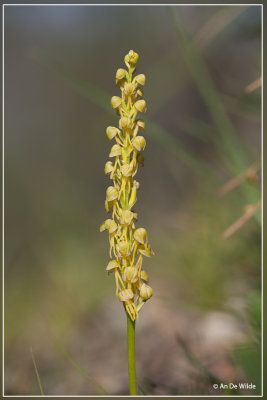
(203, 91)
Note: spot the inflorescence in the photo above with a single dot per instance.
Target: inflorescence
(128, 245)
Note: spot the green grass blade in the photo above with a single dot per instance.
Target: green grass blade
(36, 372)
(81, 370)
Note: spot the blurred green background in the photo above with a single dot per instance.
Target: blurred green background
(203, 324)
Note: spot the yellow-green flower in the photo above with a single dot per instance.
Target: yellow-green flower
(128, 245)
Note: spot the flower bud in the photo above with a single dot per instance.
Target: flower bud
(141, 124)
(108, 167)
(139, 92)
(115, 101)
(136, 184)
(111, 132)
(140, 235)
(141, 78)
(121, 73)
(132, 199)
(135, 216)
(115, 150)
(146, 291)
(112, 193)
(140, 159)
(112, 265)
(139, 142)
(130, 274)
(125, 295)
(131, 58)
(140, 105)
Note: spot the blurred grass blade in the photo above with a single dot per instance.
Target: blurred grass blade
(254, 85)
(250, 173)
(101, 98)
(172, 144)
(208, 92)
(216, 24)
(81, 370)
(229, 147)
(250, 211)
(198, 129)
(202, 39)
(36, 372)
(248, 357)
(246, 105)
(209, 376)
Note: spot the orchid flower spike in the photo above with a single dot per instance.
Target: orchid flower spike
(128, 244)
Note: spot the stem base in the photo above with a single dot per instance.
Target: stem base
(131, 355)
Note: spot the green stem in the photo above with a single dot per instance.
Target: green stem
(131, 355)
